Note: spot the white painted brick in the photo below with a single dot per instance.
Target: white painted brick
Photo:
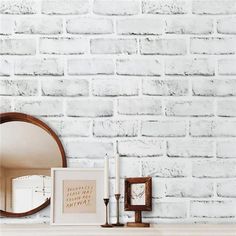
(18, 87)
(226, 25)
(187, 188)
(17, 46)
(89, 108)
(139, 106)
(163, 46)
(88, 149)
(140, 26)
(170, 210)
(214, 169)
(65, 7)
(227, 66)
(226, 108)
(87, 25)
(138, 67)
(39, 25)
(190, 148)
(226, 188)
(138, 148)
(165, 87)
(171, 7)
(166, 128)
(116, 7)
(115, 87)
(39, 107)
(63, 46)
(190, 108)
(18, 7)
(214, 7)
(226, 149)
(38, 66)
(66, 87)
(214, 46)
(205, 128)
(189, 66)
(5, 67)
(113, 46)
(5, 104)
(165, 168)
(189, 25)
(158, 188)
(6, 25)
(92, 66)
(115, 128)
(213, 209)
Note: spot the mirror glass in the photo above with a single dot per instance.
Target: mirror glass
(27, 154)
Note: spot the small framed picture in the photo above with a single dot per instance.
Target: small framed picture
(77, 196)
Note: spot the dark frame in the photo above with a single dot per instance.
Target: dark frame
(16, 116)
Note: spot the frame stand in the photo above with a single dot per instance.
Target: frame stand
(117, 224)
(138, 221)
(106, 225)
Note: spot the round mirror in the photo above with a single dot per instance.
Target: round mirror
(28, 151)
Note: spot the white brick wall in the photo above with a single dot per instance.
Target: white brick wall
(151, 80)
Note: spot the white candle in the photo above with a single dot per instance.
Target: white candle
(106, 177)
(117, 186)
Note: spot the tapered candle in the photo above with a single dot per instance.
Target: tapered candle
(117, 185)
(106, 177)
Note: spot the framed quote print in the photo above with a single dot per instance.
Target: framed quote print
(77, 196)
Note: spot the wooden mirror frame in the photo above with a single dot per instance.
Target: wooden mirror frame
(16, 116)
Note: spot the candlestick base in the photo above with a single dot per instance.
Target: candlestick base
(106, 225)
(117, 224)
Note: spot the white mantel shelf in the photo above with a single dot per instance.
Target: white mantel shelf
(157, 230)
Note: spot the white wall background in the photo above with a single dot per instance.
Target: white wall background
(153, 81)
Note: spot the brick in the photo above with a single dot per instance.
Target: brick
(18, 7)
(17, 46)
(89, 26)
(116, 7)
(115, 87)
(66, 87)
(129, 167)
(190, 148)
(214, 7)
(227, 66)
(165, 87)
(166, 128)
(214, 87)
(38, 66)
(139, 148)
(5, 67)
(5, 104)
(214, 169)
(113, 46)
(171, 7)
(226, 108)
(163, 46)
(6, 26)
(189, 66)
(18, 87)
(226, 188)
(138, 67)
(158, 189)
(63, 46)
(39, 107)
(88, 149)
(65, 7)
(190, 108)
(90, 66)
(115, 128)
(189, 25)
(226, 149)
(226, 25)
(187, 188)
(89, 108)
(212, 209)
(140, 26)
(213, 46)
(165, 168)
(139, 106)
(39, 25)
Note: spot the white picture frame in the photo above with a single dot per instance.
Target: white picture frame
(66, 190)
